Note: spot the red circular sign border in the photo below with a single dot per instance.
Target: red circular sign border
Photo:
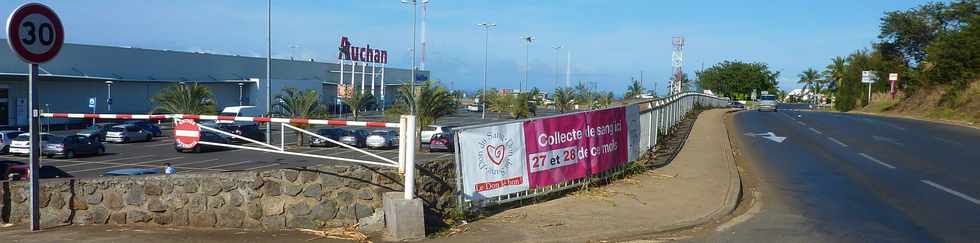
(178, 138)
(13, 30)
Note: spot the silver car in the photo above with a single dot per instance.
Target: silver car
(6, 138)
(767, 102)
(127, 133)
(382, 139)
(22, 144)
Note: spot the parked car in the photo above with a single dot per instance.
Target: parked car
(427, 132)
(23, 172)
(73, 145)
(331, 133)
(5, 166)
(442, 142)
(206, 136)
(736, 105)
(132, 172)
(474, 108)
(382, 139)
(127, 133)
(356, 138)
(145, 125)
(7, 137)
(250, 111)
(250, 131)
(98, 130)
(22, 143)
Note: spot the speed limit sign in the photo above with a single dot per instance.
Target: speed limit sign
(35, 33)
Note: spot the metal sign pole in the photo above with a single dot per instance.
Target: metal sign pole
(35, 149)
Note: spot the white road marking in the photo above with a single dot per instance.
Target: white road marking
(80, 162)
(231, 164)
(837, 141)
(801, 123)
(122, 165)
(951, 191)
(815, 131)
(876, 161)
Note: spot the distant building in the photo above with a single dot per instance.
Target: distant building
(79, 72)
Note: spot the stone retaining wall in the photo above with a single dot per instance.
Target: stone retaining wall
(330, 195)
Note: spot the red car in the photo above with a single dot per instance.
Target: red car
(442, 142)
(22, 172)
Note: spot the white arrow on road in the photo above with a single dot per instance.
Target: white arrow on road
(767, 135)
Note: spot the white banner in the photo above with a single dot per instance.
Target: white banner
(492, 161)
(633, 132)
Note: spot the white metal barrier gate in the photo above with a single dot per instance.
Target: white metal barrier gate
(406, 130)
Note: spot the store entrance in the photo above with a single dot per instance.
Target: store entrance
(4, 107)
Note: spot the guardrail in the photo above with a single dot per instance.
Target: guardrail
(485, 173)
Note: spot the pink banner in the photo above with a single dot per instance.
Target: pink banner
(569, 147)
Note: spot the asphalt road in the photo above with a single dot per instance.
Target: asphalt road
(855, 178)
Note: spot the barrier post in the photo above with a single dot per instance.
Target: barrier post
(409, 157)
(402, 136)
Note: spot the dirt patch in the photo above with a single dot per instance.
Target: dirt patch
(944, 103)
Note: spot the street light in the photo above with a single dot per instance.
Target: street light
(108, 100)
(414, 20)
(268, 71)
(557, 48)
(483, 102)
(529, 39)
(241, 94)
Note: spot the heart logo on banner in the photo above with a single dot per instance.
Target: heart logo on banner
(496, 154)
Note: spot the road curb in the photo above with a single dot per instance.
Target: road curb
(940, 121)
(733, 195)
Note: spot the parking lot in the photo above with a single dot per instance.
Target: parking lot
(153, 154)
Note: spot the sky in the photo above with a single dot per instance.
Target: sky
(609, 42)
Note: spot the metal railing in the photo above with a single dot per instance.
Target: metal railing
(656, 118)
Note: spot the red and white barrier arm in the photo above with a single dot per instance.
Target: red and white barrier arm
(105, 116)
(224, 118)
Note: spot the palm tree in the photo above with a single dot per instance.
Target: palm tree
(359, 101)
(808, 78)
(295, 103)
(184, 99)
(836, 70)
(606, 100)
(634, 90)
(433, 102)
(564, 99)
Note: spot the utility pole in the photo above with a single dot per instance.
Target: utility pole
(529, 39)
(268, 73)
(483, 102)
(557, 48)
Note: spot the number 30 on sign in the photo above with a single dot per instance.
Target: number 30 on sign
(35, 33)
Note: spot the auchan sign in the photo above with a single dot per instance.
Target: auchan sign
(361, 54)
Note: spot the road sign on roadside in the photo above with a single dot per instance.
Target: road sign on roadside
(187, 133)
(892, 76)
(91, 102)
(35, 33)
(867, 77)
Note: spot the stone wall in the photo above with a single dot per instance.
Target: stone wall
(330, 195)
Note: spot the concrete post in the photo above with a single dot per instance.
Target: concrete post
(404, 218)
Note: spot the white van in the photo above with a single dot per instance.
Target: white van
(249, 111)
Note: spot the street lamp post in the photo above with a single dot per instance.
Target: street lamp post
(414, 21)
(483, 102)
(529, 39)
(557, 49)
(108, 100)
(241, 94)
(268, 71)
